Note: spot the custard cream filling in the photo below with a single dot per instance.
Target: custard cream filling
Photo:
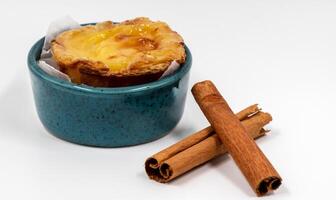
(122, 46)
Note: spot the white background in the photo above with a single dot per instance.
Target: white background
(280, 54)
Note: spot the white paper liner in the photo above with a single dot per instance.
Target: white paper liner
(58, 26)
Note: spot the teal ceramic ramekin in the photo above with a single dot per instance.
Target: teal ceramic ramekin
(108, 117)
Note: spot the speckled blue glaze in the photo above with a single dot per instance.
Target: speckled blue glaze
(108, 117)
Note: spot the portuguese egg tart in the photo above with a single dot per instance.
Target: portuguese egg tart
(108, 54)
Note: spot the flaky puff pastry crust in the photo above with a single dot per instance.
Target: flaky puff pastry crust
(107, 54)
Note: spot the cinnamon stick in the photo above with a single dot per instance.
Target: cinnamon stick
(200, 147)
(258, 171)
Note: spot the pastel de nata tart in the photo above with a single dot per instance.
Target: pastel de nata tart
(108, 54)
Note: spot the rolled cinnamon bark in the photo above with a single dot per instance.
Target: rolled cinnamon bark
(200, 147)
(258, 171)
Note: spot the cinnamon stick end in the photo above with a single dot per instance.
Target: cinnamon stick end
(151, 167)
(157, 172)
(268, 184)
(203, 88)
